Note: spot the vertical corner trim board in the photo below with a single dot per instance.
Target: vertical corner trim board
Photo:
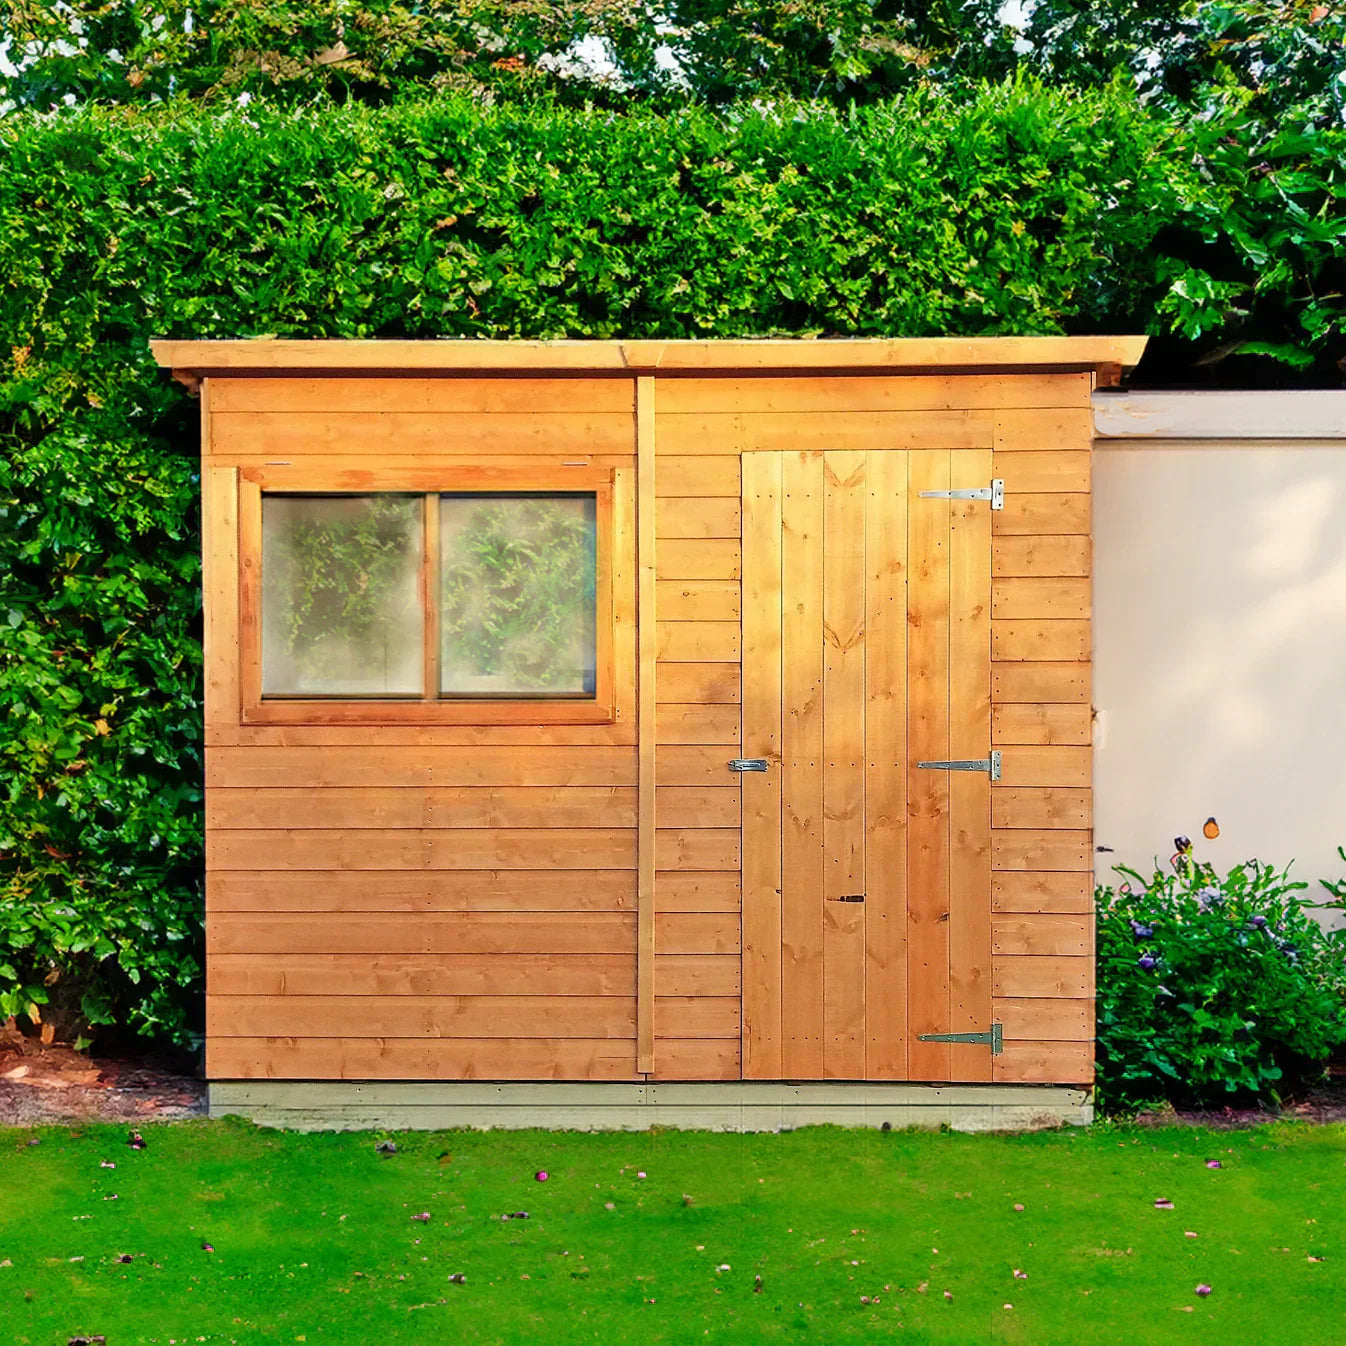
(646, 799)
(556, 902)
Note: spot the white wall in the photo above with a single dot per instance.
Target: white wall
(1220, 649)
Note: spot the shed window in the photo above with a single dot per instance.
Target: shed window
(426, 605)
(341, 606)
(518, 582)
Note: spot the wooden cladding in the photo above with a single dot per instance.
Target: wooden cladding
(564, 900)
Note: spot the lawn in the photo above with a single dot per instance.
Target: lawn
(238, 1234)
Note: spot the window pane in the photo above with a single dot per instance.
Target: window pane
(341, 611)
(518, 586)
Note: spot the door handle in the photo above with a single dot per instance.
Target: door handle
(748, 764)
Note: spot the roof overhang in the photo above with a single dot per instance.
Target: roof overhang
(191, 361)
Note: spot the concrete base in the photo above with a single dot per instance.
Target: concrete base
(341, 1105)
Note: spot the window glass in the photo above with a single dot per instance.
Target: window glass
(518, 594)
(341, 610)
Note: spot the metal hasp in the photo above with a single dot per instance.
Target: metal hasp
(990, 765)
(995, 493)
(994, 1039)
(748, 764)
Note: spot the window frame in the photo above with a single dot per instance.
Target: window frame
(430, 708)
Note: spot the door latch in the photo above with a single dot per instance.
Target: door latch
(748, 764)
(990, 765)
(994, 1038)
(995, 493)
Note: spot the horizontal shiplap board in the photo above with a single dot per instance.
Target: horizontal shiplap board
(1040, 934)
(688, 974)
(679, 849)
(690, 806)
(1045, 1063)
(362, 807)
(354, 1058)
(1042, 556)
(444, 396)
(1036, 722)
(693, 433)
(445, 890)
(690, 642)
(698, 600)
(706, 684)
(423, 848)
(421, 1016)
(494, 932)
(1045, 766)
(689, 722)
(1033, 473)
(1041, 850)
(696, 1016)
(224, 735)
(1034, 596)
(1046, 428)
(1041, 806)
(1045, 1020)
(697, 516)
(873, 392)
(1043, 975)
(697, 932)
(714, 890)
(269, 437)
(1053, 513)
(1067, 891)
(1041, 641)
(691, 558)
(1035, 682)
(695, 764)
(462, 974)
(703, 476)
(314, 767)
(696, 1059)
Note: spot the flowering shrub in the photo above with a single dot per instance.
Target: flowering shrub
(1211, 987)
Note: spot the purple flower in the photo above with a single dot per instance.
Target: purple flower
(1258, 922)
(1147, 961)
(1141, 931)
(1209, 897)
(1203, 1290)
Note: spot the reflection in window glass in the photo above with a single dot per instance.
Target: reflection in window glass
(341, 612)
(518, 595)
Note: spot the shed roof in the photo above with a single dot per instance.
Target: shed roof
(260, 355)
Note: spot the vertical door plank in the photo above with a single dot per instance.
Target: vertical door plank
(843, 764)
(885, 765)
(970, 793)
(928, 791)
(646, 736)
(802, 766)
(761, 1029)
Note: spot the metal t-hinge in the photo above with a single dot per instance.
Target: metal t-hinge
(994, 1039)
(995, 493)
(748, 764)
(990, 765)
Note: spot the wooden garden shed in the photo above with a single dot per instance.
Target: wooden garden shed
(705, 717)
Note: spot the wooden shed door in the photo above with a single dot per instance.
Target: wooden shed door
(866, 879)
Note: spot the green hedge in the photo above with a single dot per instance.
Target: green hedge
(1014, 210)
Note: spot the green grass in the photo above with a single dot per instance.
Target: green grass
(314, 1239)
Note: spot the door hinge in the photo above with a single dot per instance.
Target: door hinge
(994, 1038)
(990, 765)
(995, 493)
(848, 897)
(748, 764)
